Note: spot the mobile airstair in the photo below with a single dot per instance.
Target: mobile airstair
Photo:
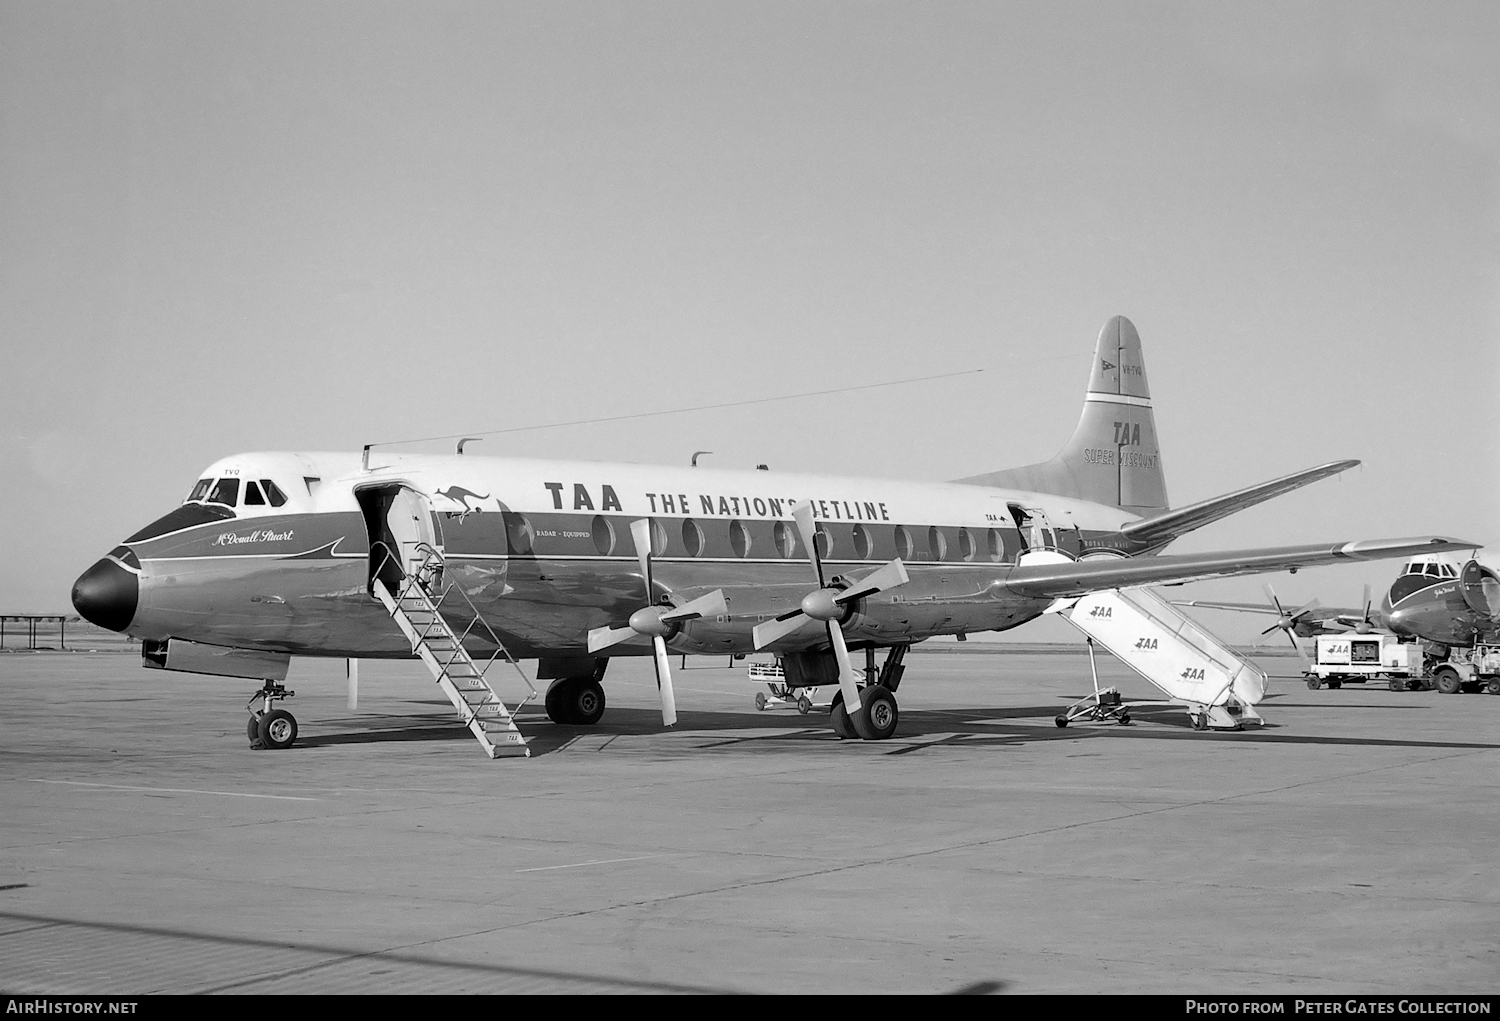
(415, 607)
(1216, 685)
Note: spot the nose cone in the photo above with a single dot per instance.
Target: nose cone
(106, 594)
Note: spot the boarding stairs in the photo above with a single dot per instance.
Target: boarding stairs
(415, 607)
(1218, 686)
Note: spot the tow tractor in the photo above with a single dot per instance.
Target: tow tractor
(1472, 669)
(1354, 659)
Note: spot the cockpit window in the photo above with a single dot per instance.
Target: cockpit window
(226, 492)
(273, 492)
(199, 490)
(252, 496)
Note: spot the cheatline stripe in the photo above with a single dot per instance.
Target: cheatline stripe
(1137, 402)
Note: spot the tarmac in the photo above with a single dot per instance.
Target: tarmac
(1345, 848)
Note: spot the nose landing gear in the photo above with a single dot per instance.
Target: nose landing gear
(270, 727)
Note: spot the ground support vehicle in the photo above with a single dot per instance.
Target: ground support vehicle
(774, 677)
(1472, 669)
(1356, 658)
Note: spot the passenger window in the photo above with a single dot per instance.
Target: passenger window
(692, 538)
(226, 492)
(784, 538)
(200, 490)
(904, 545)
(864, 546)
(273, 492)
(739, 539)
(252, 496)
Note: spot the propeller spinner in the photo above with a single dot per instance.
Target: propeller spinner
(658, 622)
(829, 605)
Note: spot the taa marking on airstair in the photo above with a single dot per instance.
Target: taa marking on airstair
(1102, 611)
(1193, 673)
(1145, 644)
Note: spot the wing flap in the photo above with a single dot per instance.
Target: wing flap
(1172, 523)
(1080, 577)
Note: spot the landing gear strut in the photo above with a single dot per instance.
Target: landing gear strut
(270, 727)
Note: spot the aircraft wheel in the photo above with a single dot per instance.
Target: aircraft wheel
(804, 704)
(842, 726)
(252, 730)
(1314, 684)
(1061, 721)
(278, 729)
(760, 700)
(585, 701)
(556, 703)
(878, 714)
(1448, 681)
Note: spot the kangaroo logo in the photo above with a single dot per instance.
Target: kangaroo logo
(471, 502)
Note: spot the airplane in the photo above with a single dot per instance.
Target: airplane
(1433, 598)
(463, 561)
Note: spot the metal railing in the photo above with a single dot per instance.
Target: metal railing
(430, 577)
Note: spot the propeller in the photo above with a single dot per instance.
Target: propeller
(659, 622)
(828, 605)
(1287, 620)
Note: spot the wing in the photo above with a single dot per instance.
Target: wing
(1079, 577)
(1172, 523)
(1317, 614)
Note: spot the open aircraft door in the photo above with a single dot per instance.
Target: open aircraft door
(404, 533)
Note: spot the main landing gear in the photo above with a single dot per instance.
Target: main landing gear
(575, 700)
(269, 727)
(878, 714)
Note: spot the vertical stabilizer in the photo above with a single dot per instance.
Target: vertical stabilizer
(1113, 456)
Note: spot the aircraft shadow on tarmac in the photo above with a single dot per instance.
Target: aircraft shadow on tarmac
(331, 956)
(920, 729)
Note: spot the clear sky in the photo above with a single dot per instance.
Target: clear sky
(252, 226)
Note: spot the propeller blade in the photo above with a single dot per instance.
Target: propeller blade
(1274, 627)
(1271, 595)
(640, 534)
(773, 630)
(711, 605)
(1301, 655)
(887, 576)
(848, 677)
(664, 682)
(1304, 608)
(604, 637)
(803, 516)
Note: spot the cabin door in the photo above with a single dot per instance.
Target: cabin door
(1031, 522)
(404, 534)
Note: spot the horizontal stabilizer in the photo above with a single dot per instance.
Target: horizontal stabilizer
(1172, 523)
(1080, 577)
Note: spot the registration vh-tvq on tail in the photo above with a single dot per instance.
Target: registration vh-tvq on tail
(472, 563)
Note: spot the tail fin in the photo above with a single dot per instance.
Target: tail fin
(1113, 456)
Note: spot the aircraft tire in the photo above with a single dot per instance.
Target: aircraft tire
(555, 702)
(842, 726)
(878, 714)
(252, 731)
(278, 729)
(585, 700)
(1448, 681)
